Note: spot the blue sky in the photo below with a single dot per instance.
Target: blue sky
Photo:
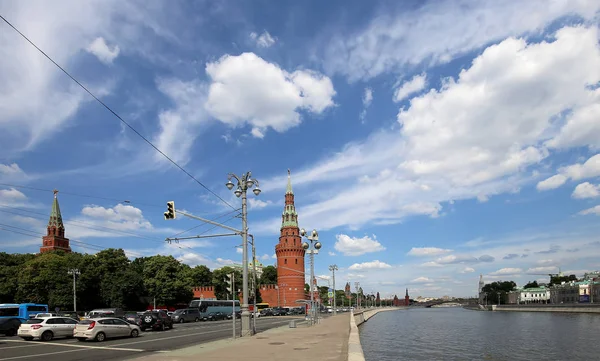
(429, 142)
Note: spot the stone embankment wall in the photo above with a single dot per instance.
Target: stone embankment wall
(355, 351)
(567, 308)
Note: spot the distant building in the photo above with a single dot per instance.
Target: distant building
(55, 231)
(480, 292)
(259, 267)
(584, 291)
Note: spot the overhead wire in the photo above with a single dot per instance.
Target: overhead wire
(115, 114)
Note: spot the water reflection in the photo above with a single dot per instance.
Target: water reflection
(458, 334)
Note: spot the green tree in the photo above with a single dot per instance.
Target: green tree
(533, 284)
(556, 280)
(10, 264)
(220, 286)
(498, 290)
(165, 280)
(119, 285)
(268, 276)
(201, 276)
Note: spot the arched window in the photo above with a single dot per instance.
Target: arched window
(296, 260)
(285, 261)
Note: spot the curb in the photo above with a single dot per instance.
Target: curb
(355, 351)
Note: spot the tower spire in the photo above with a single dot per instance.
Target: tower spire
(55, 215)
(288, 189)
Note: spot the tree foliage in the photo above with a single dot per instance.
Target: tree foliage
(556, 280)
(107, 279)
(268, 276)
(498, 290)
(533, 284)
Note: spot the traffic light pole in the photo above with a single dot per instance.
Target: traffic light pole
(233, 315)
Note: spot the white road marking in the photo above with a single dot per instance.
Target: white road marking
(76, 346)
(38, 355)
(28, 345)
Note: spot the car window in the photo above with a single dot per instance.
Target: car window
(106, 322)
(34, 321)
(120, 322)
(69, 321)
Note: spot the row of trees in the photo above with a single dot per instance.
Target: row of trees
(110, 279)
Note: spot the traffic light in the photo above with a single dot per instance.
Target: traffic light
(230, 283)
(170, 213)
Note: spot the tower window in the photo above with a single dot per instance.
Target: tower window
(285, 261)
(296, 261)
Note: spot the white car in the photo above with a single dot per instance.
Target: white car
(100, 329)
(47, 328)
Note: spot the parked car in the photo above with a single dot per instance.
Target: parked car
(99, 329)
(9, 326)
(107, 312)
(156, 320)
(133, 318)
(266, 312)
(186, 315)
(47, 328)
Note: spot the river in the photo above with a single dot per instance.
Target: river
(459, 334)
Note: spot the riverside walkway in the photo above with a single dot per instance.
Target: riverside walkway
(327, 340)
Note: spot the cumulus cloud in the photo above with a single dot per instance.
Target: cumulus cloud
(594, 210)
(575, 172)
(367, 100)
(422, 280)
(353, 246)
(246, 89)
(542, 269)
(102, 51)
(511, 256)
(12, 173)
(264, 40)
(478, 135)
(124, 219)
(258, 203)
(369, 266)
(467, 270)
(427, 251)
(586, 190)
(414, 85)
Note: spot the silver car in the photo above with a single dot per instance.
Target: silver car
(100, 329)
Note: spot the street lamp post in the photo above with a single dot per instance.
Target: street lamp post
(244, 183)
(314, 241)
(334, 268)
(75, 272)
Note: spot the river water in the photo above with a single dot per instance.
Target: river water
(459, 334)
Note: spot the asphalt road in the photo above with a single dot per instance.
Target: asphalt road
(149, 342)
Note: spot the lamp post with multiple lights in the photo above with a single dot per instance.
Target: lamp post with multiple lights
(244, 183)
(313, 238)
(75, 272)
(334, 268)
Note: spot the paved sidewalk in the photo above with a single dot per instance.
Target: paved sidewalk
(325, 341)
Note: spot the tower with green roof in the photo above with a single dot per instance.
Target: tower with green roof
(290, 254)
(55, 231)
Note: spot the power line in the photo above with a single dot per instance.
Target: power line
(115, 114)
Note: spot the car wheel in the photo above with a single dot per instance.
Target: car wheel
(134, 333)
(197, 319)
(47, 336)
(100, 336)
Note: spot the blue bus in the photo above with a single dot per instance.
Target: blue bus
(207, 306)
(23, 310)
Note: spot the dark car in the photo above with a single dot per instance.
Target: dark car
(156, 320)
(215, 316)
(9, 326)
(133, 318)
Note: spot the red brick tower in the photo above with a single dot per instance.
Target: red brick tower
(290, 254)
(406, 299)
(55, 236)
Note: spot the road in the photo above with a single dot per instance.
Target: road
(149, 342)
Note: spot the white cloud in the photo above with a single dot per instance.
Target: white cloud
(225, 262)
(435, 33)
(239, 250)
(467, 270)
(14, 198)
(507, 272)
(578, 171)
(422, 280)
(264, 40)
(258, 204)
(12, 173)
(416, 84)
(586, 190)
(331, 253)
(352, 246)
(427, 251)
(369, 265)
(265, 257)
(274, 256)
(180, 126)
(367, 100)
(102, 51)
(477, 136)
(594, 210)
(247, 89)
(551, 183)
(124, 218)
(542, 269)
